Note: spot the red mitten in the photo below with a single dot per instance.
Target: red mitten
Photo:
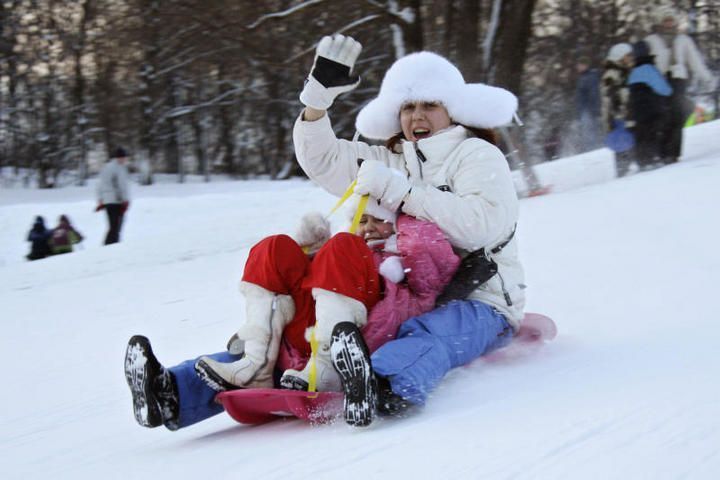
(100, 206)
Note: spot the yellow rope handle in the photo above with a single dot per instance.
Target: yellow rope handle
(359, 214)
(345, 196)
(312, 377)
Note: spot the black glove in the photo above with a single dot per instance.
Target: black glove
(330, 75)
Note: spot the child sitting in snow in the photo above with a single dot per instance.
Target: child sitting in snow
(336, 279)
(38, 236)
(64, 236)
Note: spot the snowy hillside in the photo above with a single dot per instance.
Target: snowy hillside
(629, 389)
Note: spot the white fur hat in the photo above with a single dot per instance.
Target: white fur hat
(373, 208)
(426, 76)
(618, 51)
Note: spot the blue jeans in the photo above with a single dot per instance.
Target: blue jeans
(430, 345)
(196, 399)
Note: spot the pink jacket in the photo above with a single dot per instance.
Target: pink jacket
(429, 263)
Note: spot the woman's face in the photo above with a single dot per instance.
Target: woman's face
(373, 228)
(668, 25)
(628, 60)
(423, 119)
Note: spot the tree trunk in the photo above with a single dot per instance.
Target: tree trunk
(510, 49)
(79, 90)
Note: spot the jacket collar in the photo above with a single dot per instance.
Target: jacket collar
(439, 146)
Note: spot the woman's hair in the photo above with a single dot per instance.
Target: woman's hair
(485, 133)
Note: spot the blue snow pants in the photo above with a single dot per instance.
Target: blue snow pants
(429, 345)
(196, 399)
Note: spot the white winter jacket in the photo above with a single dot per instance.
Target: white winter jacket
(480, 209)
(684, 56)
(112, 185)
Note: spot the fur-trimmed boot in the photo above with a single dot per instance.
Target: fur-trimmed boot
(267, 314)
(330, 309)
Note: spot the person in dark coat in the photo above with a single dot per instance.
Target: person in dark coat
(649, 101)
(39, 236)
(587, 103)
(64, 236)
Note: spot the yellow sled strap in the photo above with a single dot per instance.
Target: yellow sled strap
(345, 196)
(312, 377)
(360, 210)
(358, 214)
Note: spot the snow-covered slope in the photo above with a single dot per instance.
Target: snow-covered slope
(629, 389)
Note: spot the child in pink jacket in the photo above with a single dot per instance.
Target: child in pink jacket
(415, 261)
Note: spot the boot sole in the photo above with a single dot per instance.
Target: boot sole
(141, 367)
(351, 359)
(212, 379)
(288, 382)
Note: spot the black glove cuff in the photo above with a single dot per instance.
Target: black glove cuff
(332, 74)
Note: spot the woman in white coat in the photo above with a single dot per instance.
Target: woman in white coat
(678, 58)
(438, 133)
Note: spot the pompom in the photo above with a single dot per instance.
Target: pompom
(392, 269)
(313, 232)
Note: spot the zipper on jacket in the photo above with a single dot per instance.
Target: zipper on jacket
(508, 300)
(422, 158)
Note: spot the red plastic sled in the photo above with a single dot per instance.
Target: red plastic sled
(536, 327)
(535, 330)
(261, 405)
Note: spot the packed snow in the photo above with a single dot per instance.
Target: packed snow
(629, 388)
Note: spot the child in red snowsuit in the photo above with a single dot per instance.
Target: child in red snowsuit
(331, 290)
(287, 291)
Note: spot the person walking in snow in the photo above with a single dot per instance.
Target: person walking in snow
(678, 58)
(64, 236)
(615, 96)
(438, 133)
(649, 102)
(288, 290)
(38, 237)
(113, 193)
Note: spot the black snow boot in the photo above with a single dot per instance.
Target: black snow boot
(351, 359)
(166, 392)
(141, 370)
(154, 389)
(390, 403)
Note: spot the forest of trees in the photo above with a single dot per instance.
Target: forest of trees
(211, 86)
